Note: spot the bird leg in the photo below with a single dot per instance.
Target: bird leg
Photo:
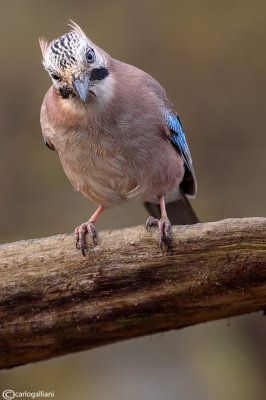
(163, 224)
(89, 227)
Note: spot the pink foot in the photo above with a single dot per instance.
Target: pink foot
(164, 226)
(80, 233)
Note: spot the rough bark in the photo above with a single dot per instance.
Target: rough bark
(54, 301)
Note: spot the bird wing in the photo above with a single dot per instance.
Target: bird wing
(48, 144)
(178, 140)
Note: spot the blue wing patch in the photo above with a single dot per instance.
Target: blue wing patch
(47, 144)
(178, 139)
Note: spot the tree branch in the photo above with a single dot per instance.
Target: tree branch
(54, 301)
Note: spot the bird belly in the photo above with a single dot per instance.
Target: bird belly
(110, 183)
(103, 180)
(107, 173)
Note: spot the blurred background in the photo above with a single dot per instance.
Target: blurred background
(210, 57)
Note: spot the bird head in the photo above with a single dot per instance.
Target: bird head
(75, 64)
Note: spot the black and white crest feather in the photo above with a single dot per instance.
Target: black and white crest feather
(66, 48)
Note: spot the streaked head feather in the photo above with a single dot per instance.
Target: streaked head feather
(77, 29)
(43, 45)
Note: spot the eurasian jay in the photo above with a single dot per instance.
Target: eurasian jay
(116, 133)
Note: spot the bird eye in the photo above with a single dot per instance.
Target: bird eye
(90, 55)
(56, 77)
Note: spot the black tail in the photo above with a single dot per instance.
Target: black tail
(179, 212)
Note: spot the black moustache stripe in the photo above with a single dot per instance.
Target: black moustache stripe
(98, 74)
(65, 92)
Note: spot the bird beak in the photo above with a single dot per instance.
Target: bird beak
(82, 88)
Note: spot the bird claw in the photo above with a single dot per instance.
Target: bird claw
(151, 222)
(80, 233)
(164, 227)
